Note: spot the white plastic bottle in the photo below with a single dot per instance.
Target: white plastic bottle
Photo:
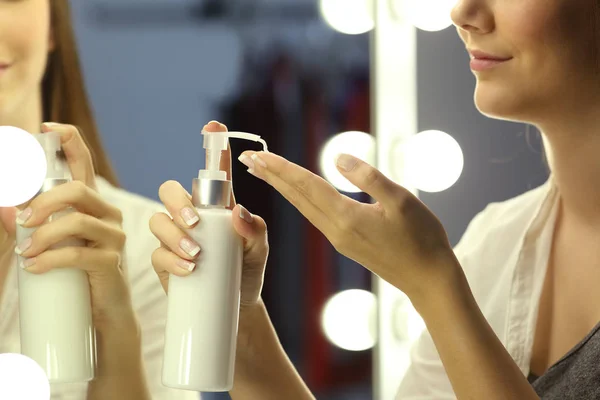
(54, 308)
(203, 307)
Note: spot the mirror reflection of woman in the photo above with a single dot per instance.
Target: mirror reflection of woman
(41, 80)
(512, 312)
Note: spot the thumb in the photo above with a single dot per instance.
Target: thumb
(256, 250)
(8, 216)
(369, 179)
(254, 231)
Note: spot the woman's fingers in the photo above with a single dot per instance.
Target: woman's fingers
(96, 262)
(100, 233)
(74, 194)
(163, 227)
(314, 197)
(254, 230)
(371, 181)
(76, 152)
(225, 162)
(179, 204)
(256, 250)
(166, 262)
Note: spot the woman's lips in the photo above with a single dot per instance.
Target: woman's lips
(3, 67)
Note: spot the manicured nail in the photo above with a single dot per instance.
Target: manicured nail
(346, 162)
(245, 215)
(251, 172)
(247, 161)
(25, 244)
(24, 215)
(189, 247)
(259, 160)
(187, 265)
(189, 216)
(28, 262)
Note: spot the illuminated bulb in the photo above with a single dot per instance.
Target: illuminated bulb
(349, 320)
(358, 144)
(22, 378)
(22, 166)
(427, 15)
(351, 17)
(432, 161)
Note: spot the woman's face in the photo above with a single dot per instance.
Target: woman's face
(553, 49)
(24, 45)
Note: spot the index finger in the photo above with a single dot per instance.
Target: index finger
(225, 162)
(77, 153)
(313, 196)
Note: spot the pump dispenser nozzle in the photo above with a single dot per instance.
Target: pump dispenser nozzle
(212, 187)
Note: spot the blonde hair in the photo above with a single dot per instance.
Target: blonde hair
(64, 96)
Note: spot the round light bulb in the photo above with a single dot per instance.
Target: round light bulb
(351, 17)
(358, 144)
(433, 161)
(22, 378)
(22, 166)
(427, 15)
(349, 320)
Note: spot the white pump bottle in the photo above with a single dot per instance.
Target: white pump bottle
(54, 308)
(203, 307)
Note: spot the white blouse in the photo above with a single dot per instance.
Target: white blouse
(504, 253)
(149, 299)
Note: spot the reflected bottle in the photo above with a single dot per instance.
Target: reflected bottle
(55, 311)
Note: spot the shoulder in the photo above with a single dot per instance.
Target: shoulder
(505, 221)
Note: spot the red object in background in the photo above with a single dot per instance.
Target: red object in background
(319, 257)
(322, 371)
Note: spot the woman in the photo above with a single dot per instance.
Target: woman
(40, 80)
(518, 296)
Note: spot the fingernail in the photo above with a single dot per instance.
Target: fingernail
(247, 161)
(189, 247)
(259, 160)
(25, 244)
(251, 172)
(189, 216)
(245, 214)
(24, 215)
(187, 265)
(346, 162)
(28, 262)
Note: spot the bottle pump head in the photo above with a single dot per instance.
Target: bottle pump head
(212, 188)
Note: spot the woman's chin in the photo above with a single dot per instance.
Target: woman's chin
(498, 104)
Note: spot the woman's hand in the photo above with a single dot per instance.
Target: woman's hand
(178, 251)
(398, 238)
(93, 220)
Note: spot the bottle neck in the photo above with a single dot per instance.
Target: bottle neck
(211, 193)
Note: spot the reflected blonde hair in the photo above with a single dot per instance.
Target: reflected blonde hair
(64, 96)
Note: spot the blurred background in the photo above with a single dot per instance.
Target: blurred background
(158, 70)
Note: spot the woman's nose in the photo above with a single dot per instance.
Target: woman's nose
(473, 15)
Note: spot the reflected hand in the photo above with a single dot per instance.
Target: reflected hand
(178, 251)
(94, 220)
(398, 238)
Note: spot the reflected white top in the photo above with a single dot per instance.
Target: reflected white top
(504, 253)
(149, 299)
